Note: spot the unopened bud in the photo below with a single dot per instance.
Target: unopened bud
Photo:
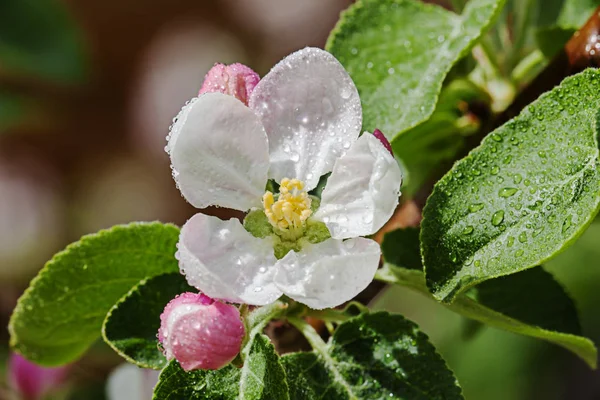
(199, 332)
(379, 135)
(32, 381)
(236, 80)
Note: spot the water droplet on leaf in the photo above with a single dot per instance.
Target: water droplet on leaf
(498, 217)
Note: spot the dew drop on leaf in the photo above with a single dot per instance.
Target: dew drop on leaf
(507, 192)
(475, 207)
(510, 242)
(517, 178)
(567, 224)
(497, 218)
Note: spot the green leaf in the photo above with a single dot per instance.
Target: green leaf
(553, 35)
(372, 356)
(551, 39)
(261, 377)
(13, 110)
(60, 315)
(131, 326)
(574, 13)
(39, 37)
(519, 198)
(398, 52)
(438, 140)
(529, 303)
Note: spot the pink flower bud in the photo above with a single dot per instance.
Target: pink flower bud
(199, 332)
(236, 80)
(379, 135)
(30, 380)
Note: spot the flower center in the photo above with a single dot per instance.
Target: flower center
(291, 210)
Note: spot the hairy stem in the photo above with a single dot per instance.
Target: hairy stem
(310, 334)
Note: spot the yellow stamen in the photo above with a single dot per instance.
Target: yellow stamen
(292, 207)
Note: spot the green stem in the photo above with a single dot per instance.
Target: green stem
(490, 65)
(261, 316)
(311, 335)
(410, 279)
(257, 320)
(320, 347)
(520, 32)
(529, 68)
(244, 310)
(335, 315)
(328, 315)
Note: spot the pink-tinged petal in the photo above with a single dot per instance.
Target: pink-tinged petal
(200, 333)
(219, 153)
(329, 273)
(379, 135)
(32, 381)
(362, 192)
(236, 80)
(311, 112)
(224, 261)
(185, 298)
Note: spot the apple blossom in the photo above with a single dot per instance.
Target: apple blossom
(379, 135)
(302, 122)
(32, 381)
(236, 80)
(200, 332)
(130, 382)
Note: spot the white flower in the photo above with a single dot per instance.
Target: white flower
(302, 122)
(130, 382)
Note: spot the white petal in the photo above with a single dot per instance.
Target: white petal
(362, 192)
(311, 111)
(129, 382)
(225, 262)
(219, 153)
(329, 273)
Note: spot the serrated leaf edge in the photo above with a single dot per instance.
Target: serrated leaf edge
(13, 343)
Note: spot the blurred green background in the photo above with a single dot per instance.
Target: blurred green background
(88, 89)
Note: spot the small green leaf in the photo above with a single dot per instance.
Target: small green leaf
(574, 13)
(398, 52)
(60, 315)
(372, 356)
(131, 326)
(425, 147)
(261, 378)
(553, 35)
(13, 110)
(519, 198)
(402, 248)
(39, 37)
(529, 303)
